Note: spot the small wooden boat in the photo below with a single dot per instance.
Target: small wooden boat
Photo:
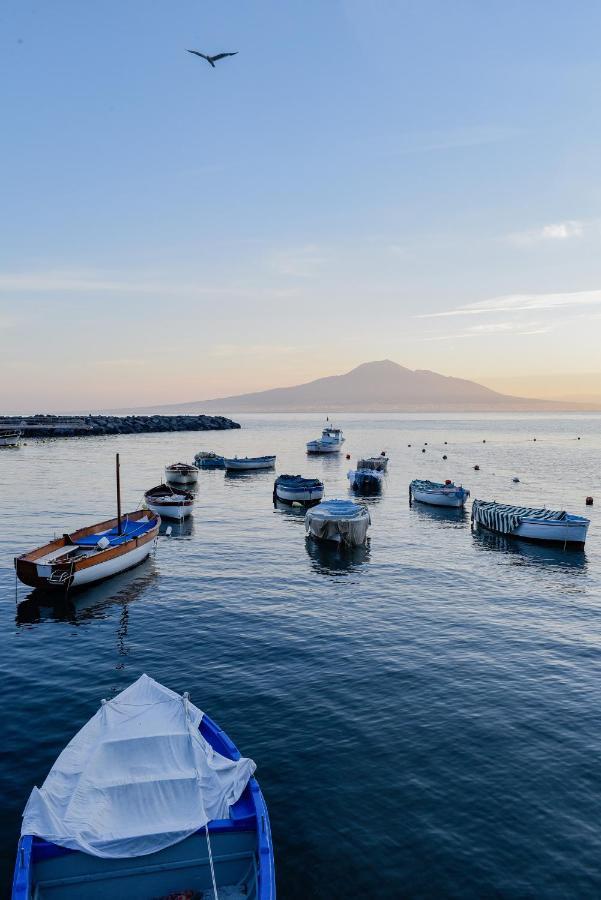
(10, 438)
(438, 494)
(151, 799)
(377, 463)
(169, 502)
(207, 459)
(296, 489)
(181, 473)
(341, 521)
(331, 441)
(91, 554)
(248, 463)
(532, 524)
(365, 481)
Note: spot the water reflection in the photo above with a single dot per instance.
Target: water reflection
(89, 603)
(329, 558)
(183, 528)
(528, 551)
(443, 515)
(296, 510)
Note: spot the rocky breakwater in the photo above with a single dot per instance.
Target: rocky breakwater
(85, 426)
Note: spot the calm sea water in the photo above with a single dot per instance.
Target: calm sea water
(425, 713)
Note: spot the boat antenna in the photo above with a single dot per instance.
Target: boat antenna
(117, 473)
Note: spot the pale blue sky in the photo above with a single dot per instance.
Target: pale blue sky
(174, 232)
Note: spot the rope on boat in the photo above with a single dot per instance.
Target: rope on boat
(211, 861)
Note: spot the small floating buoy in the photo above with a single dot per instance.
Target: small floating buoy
(445, 442)
(383, 453)
(589, 500)
(448, 481)
(476, 468)
(484, 441)
(425, 443)
(408, 445)
(515, 479)
(577, 439)
(423, 449)
(444, 456)
(533, 439)
(348, 455)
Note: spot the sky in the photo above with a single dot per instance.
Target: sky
(417, 180)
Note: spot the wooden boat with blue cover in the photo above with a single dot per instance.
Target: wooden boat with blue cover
(532, 524)
(151, 799)
(90, 554)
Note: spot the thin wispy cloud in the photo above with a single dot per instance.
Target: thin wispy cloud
(520, 302)
(553, 232)
(74, 281)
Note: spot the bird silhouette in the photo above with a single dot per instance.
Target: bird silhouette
(212, 59)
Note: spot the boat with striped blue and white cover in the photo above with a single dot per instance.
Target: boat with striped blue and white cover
(150, 799)
(438, 494)
(533, 524)
(296, 489)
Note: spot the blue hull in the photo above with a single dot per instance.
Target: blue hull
(241, 845)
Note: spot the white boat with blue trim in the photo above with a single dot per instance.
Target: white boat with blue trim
(531, 523)
(331, 441)
(150, 799)
(438, 493)
(249, 463)
(296, 489)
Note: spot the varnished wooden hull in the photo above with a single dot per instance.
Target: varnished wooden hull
(33, 569)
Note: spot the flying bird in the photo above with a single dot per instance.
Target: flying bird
(212, 59)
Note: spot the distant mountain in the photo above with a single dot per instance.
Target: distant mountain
(382, 386)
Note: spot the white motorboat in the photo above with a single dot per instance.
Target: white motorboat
(331, 441)
(340, 521)
(296, 489)
(249, 463)
(438, 494)
(169, 502)
(10, 438)
(181, 473)
(533, 524)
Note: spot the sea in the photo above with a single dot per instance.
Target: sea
(424, 712)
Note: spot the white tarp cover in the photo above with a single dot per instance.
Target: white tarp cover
(137, 778)
(338, 520)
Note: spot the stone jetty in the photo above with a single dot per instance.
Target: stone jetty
(85, 426)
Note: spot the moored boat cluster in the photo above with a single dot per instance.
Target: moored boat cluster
(200, 819)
